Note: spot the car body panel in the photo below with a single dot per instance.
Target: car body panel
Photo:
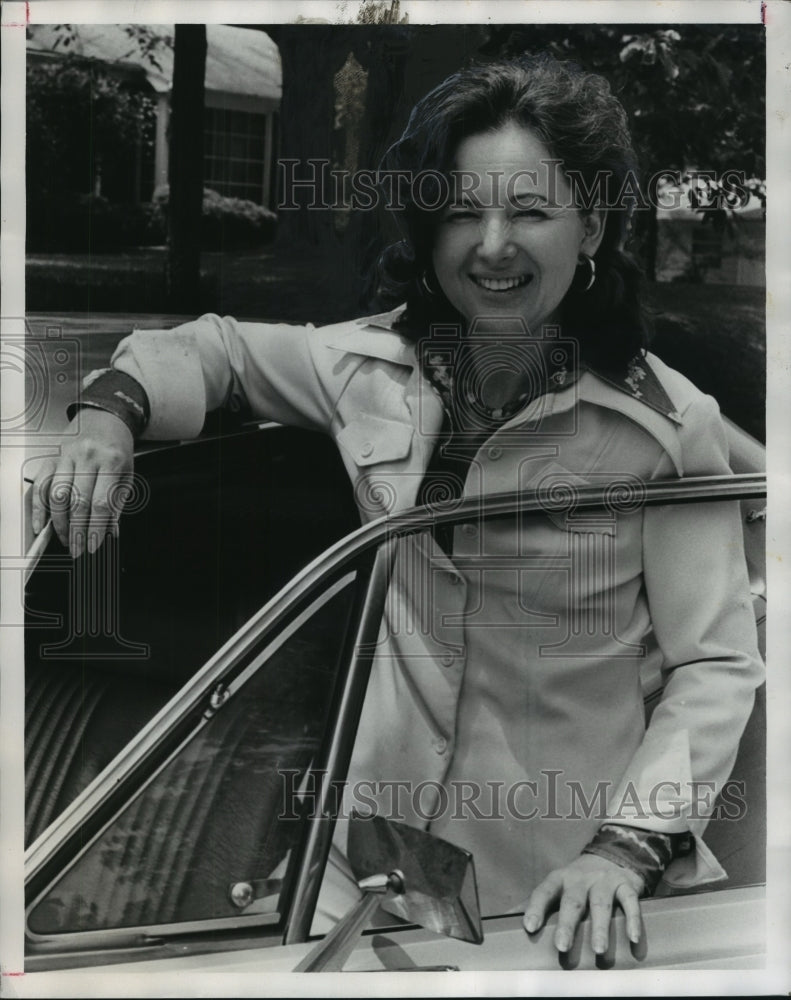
(705, 931)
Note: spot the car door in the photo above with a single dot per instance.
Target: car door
(196, 832)
(208, 835)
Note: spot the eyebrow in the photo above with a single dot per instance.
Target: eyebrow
(527, 199)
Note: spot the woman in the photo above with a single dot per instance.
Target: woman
(510, 655)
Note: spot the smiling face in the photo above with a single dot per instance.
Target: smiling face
(509, 246)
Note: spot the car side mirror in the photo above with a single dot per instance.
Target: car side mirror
(409, 873)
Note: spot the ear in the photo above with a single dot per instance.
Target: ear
(593, 231)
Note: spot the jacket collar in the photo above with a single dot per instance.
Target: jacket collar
(642, 399)
(640, 389)
(374, 337)
(642, 383)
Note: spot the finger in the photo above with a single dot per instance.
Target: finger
(540, 899)
(60, 498)
(573, 904)
(630, 904)
(600, 903)
(105, 507)
(39, 496)
(81, 511)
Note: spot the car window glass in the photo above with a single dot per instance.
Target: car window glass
(212, 835)
(425, 689)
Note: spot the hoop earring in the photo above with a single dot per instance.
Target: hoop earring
(432, 292)
(585, 259)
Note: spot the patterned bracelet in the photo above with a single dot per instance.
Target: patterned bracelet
(645, 852)
(117, 393)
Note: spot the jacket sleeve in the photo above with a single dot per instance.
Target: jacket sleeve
(699, 601)
(213, 362)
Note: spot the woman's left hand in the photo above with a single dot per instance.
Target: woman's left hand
(588, 883)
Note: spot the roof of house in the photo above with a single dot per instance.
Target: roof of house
(238, 60)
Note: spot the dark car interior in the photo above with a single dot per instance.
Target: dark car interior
(227, 522)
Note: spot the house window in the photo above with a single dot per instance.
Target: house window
(234, 153)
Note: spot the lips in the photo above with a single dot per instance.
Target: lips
(506, 284)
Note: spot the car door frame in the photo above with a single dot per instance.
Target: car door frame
(376, 539)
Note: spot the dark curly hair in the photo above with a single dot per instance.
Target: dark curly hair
(583, 125)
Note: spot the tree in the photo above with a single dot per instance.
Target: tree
(397, 63)
(186, 167)
(694, 94)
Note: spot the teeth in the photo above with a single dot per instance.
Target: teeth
(500, 284)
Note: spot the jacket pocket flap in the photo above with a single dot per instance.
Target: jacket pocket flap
(372, 439)
(557, 490)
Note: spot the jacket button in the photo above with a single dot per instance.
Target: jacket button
(447, 658)
(367, 449)
(470, 530)
(495, 452)
(440, 744)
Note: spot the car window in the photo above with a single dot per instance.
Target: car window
(213, 529)
(437, 604)
(212, 835)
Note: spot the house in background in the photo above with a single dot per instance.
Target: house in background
(242, 99)
(732, 254)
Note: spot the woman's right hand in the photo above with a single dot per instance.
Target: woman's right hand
(79, 489)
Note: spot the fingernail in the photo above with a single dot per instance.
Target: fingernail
(36, 525)
(599, 946)
(634, 935)
(531, 923)
(562, 942)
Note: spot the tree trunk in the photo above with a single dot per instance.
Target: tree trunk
(185, 174)
(311, 55)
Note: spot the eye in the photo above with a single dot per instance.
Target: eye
(460, 214)
(530, 213)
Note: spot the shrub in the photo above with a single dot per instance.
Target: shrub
(226, 223)
(89, 223)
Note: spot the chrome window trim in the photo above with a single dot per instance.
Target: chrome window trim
(320, 830)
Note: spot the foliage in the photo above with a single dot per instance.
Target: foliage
(694, 94)
(69, 222)
(83, 122)
(145, 40)
(226, 223)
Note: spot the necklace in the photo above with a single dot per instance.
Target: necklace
(469, 405)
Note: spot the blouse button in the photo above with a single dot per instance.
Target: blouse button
(367, 449)
(440, 744)
(495, 452)
(447, 658)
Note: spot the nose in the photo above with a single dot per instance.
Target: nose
(495, 242)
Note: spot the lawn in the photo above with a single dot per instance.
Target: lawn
(715, 334)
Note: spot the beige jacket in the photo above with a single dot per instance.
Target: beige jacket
(506, 691)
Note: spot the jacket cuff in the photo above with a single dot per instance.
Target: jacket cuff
(167, 364)
(117, 393)
(645, 852)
